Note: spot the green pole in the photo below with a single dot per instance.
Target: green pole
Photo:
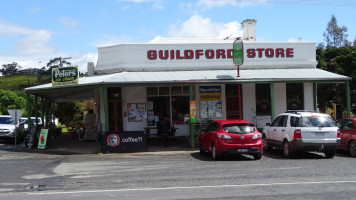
(28, 111)
(315, 94)
(36, 109)
(43, 111)
(106, 109)
(348, 104)
(192, 132)
(47, 112)
(272, 100)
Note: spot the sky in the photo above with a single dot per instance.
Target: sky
(34, 31)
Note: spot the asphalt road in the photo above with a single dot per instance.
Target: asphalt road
(175, 175)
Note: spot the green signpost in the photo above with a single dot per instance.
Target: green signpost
(238, 51)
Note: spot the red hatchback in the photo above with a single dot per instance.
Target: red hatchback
(231, 137)
(347, 128)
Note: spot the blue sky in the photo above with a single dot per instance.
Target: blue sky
(34, 31)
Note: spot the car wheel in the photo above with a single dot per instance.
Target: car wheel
(265, 143)
(352, 148)
(214, 153)
(257, 156)
(329, 154)
(286, 149)
(201, 149)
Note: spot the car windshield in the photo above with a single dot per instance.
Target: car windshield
(6, 120)
(25, 120)
(313, 121)
(239, 128)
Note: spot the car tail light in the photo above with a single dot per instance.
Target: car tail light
(223, 136)
(297, 134)
(338, 133)
(256, 136)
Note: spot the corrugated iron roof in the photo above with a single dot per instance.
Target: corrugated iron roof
(265, 75)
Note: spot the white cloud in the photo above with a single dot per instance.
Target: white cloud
(9, 29)
(207, 4)
(156, 4)
(199, 27)
(69, 22)
(35, 43)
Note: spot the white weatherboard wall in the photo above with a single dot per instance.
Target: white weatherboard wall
(249, 102)
(308, 96)
(133, 95)
(280, 98)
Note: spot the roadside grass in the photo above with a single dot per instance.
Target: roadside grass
(21, 81)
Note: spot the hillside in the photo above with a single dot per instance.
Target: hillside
(21, 81)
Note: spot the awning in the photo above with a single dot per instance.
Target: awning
(82, 91)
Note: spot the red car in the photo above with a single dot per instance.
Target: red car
(231, 137)
(347, 128)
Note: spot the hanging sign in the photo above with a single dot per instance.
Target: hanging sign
(193, 112)
(43, 139)
(65, 76)
(238, 52)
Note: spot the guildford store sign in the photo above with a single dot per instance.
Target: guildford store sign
(218, 53)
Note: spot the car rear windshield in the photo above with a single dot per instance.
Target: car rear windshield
(5, 120)
(239, 128)
(312, 121)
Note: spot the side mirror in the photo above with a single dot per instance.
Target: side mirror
(268, 124)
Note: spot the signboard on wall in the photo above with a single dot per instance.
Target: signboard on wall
(210, 102)
(137, 112)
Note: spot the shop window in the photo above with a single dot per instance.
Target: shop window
(164, 91)
(295, 96)
(180, 109)
(170, 102)
(263, 99)
(186, 90)
(176, 90)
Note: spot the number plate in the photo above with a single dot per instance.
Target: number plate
(242, 150)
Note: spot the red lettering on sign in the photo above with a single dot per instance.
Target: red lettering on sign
(280, 53)
(178, 55)
(251, 53)
(188, 54)
(198, 53)
(260, 52)
(290, 52)
(209, 53)
(172, 54)
(165, 56)
(269, 53)
(230, 53)
(152, 55)
(220, 53)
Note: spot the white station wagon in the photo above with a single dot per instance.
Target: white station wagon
(296, 131)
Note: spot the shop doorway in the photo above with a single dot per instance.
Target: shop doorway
(115, 109)
(233, 101)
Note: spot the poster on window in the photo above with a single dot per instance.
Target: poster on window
(137, 112)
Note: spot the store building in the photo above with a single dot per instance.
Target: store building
(133, 84)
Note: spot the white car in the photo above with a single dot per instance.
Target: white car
(297, 131)
(8, 129)
(24, 120)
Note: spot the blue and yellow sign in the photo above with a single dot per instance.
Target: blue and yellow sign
(209, 93)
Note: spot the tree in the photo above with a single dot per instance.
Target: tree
(69, 112)
(335, 36)
(56, 62)
(10, 69)
(11, 99)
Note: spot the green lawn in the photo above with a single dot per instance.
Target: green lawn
(19, 82)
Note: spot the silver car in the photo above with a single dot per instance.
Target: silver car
(296, 131)
(8, 129)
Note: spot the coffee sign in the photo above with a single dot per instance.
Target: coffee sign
(65, 76)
